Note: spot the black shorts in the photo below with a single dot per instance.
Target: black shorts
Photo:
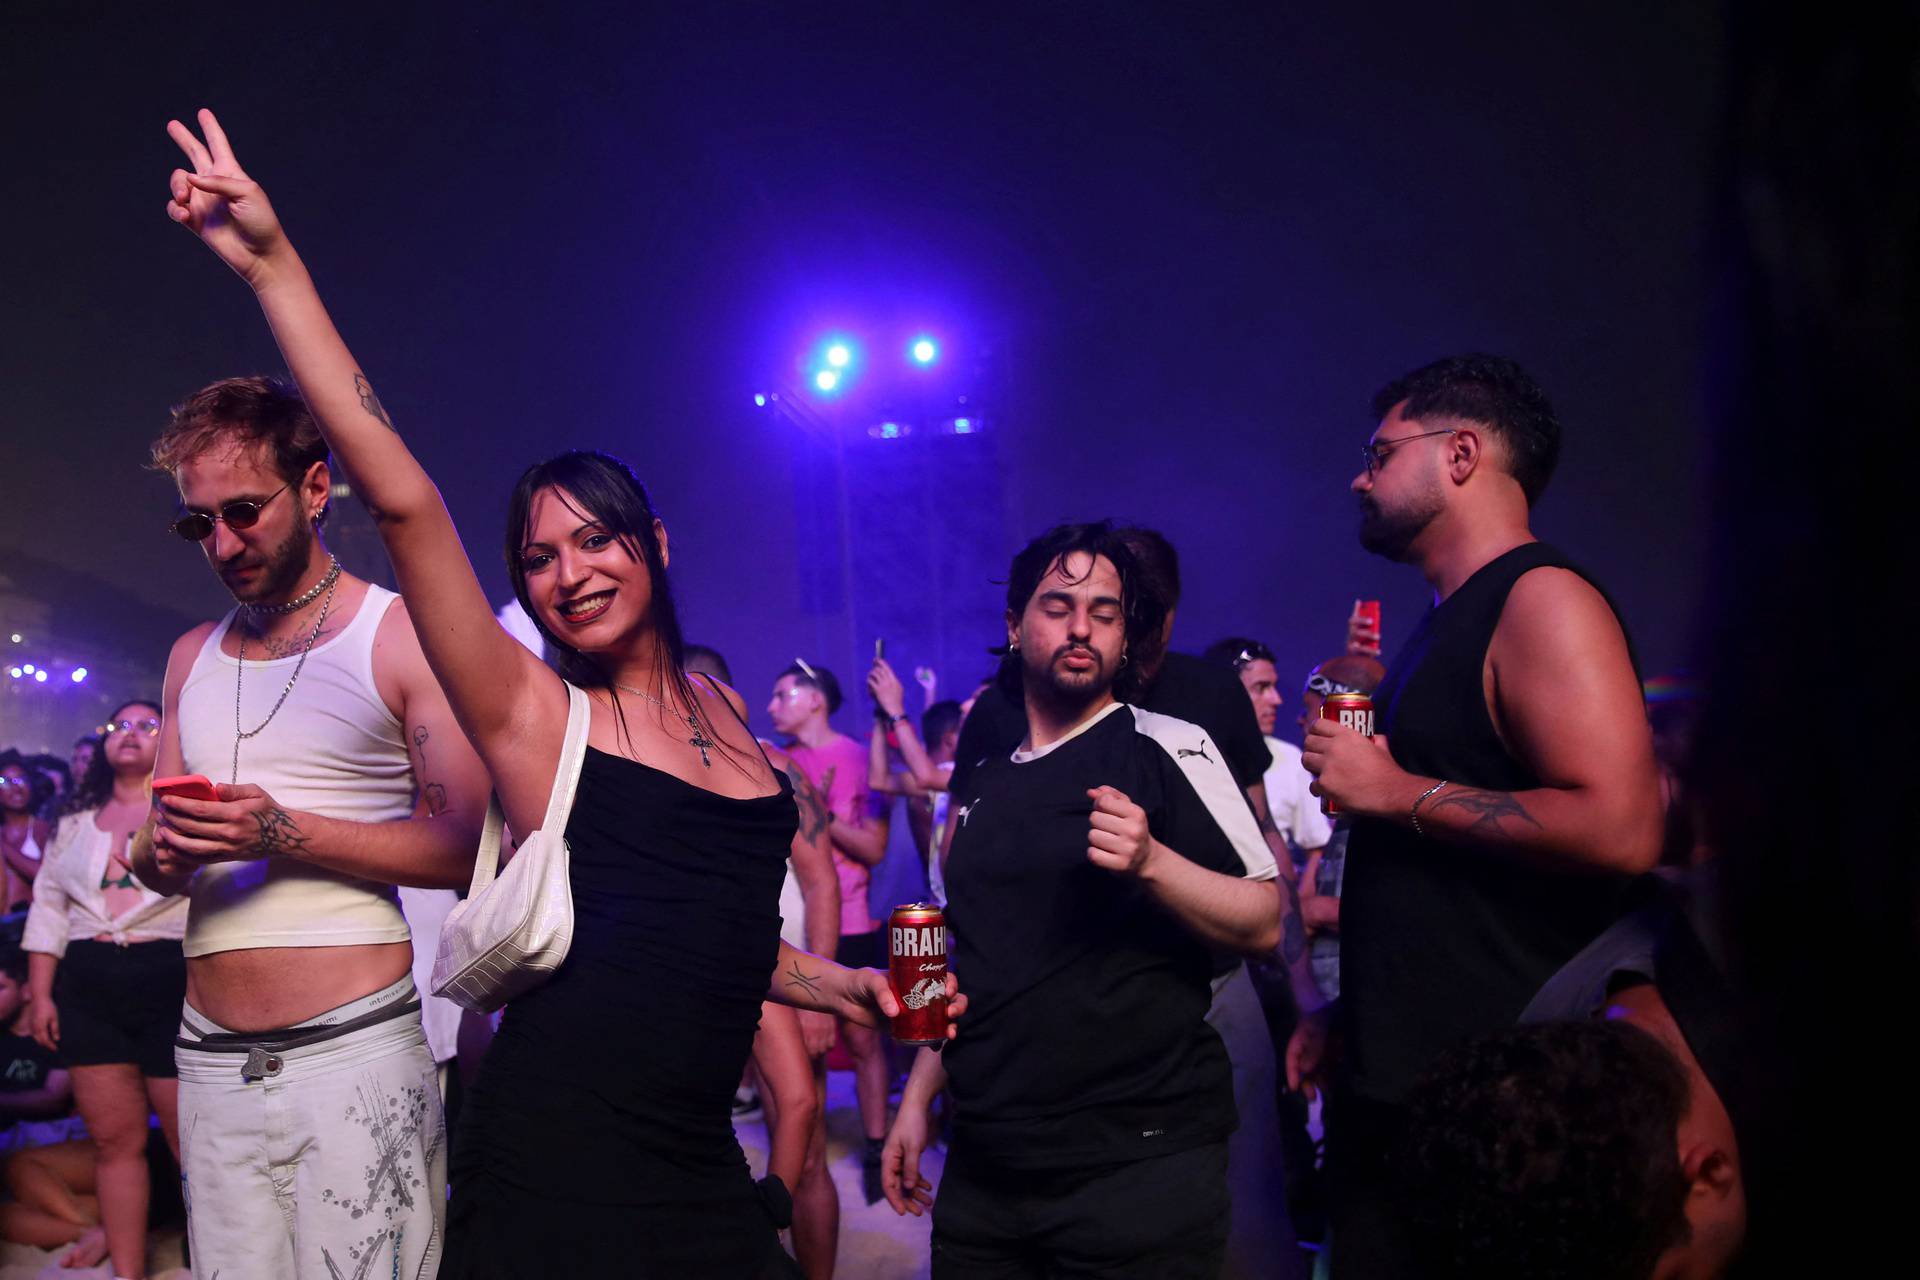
(1162, 1218)
(120, 1004)
(863, 950)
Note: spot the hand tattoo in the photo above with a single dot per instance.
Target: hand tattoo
(807, 983)
(279, 834)
(371, 402)
(1489, 809)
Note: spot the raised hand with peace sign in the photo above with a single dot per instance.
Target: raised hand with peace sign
(218, 202)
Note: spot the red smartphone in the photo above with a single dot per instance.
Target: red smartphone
(191, 786)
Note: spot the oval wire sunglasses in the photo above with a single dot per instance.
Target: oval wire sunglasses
(197, 526)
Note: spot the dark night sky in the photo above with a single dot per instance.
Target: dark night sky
(1200, 237)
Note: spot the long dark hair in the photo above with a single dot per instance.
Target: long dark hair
(96, 784)
(598, 486)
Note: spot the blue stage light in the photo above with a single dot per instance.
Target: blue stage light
(963, 426)
(15, 672)
(79, 674)
(27, 667)
(760, 399)
(40, 677)
(826, 379)
(839, 356)
(924, 351)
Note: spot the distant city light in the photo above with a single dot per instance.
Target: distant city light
(924, 351)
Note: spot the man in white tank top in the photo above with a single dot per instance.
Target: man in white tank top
(312, 1138)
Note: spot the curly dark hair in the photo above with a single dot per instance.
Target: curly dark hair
(1492, 391)
(95, 787)
(1145, 609)
(1548, 1150)
(39, 790)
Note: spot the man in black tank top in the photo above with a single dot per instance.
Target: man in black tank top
(1511, 792)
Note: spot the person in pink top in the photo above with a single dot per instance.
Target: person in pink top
(804, 699)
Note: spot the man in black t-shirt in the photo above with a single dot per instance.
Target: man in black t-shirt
(1094, 874)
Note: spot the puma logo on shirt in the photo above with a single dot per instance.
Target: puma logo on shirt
(1182, 753)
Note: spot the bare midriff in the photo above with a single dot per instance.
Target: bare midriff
(265, 988)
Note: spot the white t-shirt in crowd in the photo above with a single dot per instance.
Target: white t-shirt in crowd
(1296, 811)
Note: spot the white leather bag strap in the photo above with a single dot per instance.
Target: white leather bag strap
(573, 751)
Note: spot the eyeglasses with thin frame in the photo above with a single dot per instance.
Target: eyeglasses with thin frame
(1378, 451)
(197, 526)
(148, 726)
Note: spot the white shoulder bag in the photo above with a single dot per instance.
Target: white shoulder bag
(512, 932)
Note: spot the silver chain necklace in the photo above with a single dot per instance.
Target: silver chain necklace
(330, 582)
(699, 738)
(312, 593)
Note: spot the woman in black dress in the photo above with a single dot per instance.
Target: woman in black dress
(599, 1138)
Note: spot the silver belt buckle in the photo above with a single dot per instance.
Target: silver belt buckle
(260, 1064)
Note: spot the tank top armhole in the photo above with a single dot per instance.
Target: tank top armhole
(382, 600)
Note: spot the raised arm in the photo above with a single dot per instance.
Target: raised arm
(1567, 704)
(500, 692)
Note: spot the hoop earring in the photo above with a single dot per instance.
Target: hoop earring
(1123, 659)
(1013, 648)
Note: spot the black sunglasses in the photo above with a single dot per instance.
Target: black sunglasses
(197, 526)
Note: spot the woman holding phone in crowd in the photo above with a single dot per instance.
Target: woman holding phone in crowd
(108, 977)
(607, 1095)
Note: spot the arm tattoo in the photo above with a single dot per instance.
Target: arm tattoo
(1488, 809)
(371, 402)
(1293, 932)
(280, 834)
(807, 983)
(432, 792)
(813, 809)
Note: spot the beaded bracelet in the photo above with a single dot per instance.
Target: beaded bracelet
(1415, 813)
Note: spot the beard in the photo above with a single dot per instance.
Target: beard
(282, 567)
(1391, 533)
(1063, 688)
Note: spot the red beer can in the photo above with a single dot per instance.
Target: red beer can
(917, 967)
(1354, 710)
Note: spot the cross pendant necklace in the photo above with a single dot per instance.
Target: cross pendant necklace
(699, 739)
